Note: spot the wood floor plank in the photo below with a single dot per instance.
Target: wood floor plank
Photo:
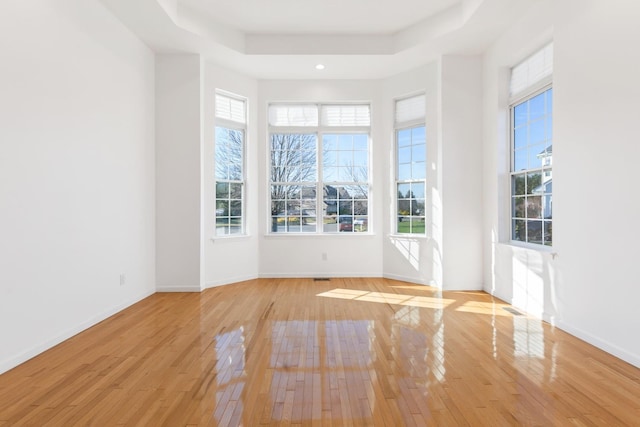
(344, 352)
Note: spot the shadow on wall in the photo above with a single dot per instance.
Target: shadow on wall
(422, 252)
(527, 278)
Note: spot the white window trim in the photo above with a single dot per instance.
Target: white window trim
(240, 126)
(398, 126)
(318, 131)
(535, 90)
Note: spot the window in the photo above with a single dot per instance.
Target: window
(411, 167)
(230, 133)
(532, 150)
(319, 173)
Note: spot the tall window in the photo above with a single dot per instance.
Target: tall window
(532, 149)
(319, 168)
(230, 133)
(411, 166)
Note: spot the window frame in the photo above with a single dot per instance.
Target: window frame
(538, 88)
(399, 126)
(225, 123)
(320, 131)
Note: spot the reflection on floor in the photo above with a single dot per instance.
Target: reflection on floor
(342, 352)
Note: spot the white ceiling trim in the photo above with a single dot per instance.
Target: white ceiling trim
(434, 26)
(167, 27)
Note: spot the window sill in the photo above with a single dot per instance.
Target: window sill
(530, 246)
(314, 235)
(230, 238)
(409, 236)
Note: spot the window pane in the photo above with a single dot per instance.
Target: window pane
(548, 233)
(518, 186)
(222, 208)
(534, 207)
(536, 156)
(235, 208)
(520, 137)
(293, 157)
(534, 181)
(330, 142)
(534, 232)
(345, 207)
(518, 210)
(345, 142)
(417, 190)
(228, 153)
(360, 224)
(404, 137)
(417, 225)
(222, 226)
(404, 191)
(360, 158)
(404, 155)
(235, 225)
(235, 191)
(361, 207)
(222, 190)
(361, 142)
(404, 224)
(520, 160)
(419, 153)
(404, 207)
(417, 207)
(536, 132)
(345, 158)
(404, 172)
(520, 114)
(419, 135)
(536, 106)
(519, 230)
(548, 212)
(419, 170)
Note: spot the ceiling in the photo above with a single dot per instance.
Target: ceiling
(315, 17)
(285, 39)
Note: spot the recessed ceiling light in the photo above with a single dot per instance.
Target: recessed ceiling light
(320, 67)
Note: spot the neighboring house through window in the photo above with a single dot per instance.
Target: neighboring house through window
(411, 166)
(319, 171)
(532, 149)
(230, 131)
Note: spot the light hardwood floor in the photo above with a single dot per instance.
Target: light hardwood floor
(331, 353)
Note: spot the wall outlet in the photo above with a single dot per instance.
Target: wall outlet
(123, 279)
(324, 256)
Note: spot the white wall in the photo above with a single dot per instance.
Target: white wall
(449, 256)
(410, 258)
(460, 148)
(301, 256)
(76, 172)
(231, 259)
(588, 285)
(179, 173)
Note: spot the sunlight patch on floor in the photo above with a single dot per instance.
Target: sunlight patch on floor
(387, 298)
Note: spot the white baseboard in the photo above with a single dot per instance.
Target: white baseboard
(604, 345)
(405, 278)
(178, 289)
(309, 275)
(230, 281)
(12, 362)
